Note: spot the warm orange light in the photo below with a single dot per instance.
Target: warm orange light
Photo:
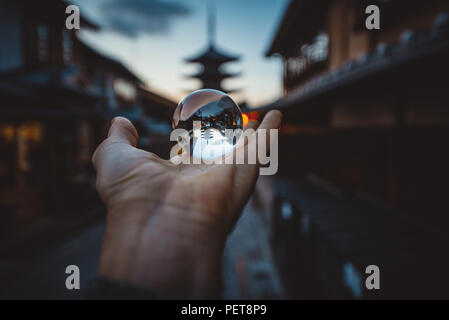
(30, 131)
(254, 115)
(245, 119)
(7, 132)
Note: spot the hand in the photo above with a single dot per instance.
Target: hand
(167, 224)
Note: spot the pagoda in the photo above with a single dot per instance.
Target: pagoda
(212, 59)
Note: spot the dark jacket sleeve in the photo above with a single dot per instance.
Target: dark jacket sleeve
(107, 289)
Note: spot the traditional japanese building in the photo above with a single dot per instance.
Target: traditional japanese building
(58, 95)
(366, 118)
(49, 119)
(212, 60)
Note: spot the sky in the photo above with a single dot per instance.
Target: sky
(153, 37)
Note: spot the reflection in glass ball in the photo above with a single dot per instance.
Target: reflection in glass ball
(213, 112)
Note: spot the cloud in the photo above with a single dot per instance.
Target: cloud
(135, 17)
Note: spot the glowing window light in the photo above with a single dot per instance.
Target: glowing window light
(245, 119)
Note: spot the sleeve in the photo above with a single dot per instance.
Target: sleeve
(102, 288)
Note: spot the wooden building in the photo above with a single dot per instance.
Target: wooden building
(366, 114)
(46, 124)
(58, 95)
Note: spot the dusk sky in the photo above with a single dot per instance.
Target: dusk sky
(152, 38)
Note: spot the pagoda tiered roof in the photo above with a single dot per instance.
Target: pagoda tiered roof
(211, 54)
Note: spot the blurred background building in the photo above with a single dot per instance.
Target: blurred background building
(58, 96)
(365, 114)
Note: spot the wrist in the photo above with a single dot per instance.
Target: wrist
(174, 252)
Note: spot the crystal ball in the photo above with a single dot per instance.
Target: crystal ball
(215, 115)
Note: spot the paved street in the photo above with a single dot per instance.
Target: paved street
(247, 265)
(46, 276)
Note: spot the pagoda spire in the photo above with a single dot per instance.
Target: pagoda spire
(211, 23)
(211, 59)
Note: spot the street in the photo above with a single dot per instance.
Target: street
(248, 268)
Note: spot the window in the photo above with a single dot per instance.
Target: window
(29, 153)
(309, 54)
(124, 91)
(317, 51)
(67, 46)
(43, 51)
(8, 154)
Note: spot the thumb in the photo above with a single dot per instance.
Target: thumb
(122, 130)
(272, 120)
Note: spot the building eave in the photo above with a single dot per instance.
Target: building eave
(212, 55)
(150, 95)
(112, 63)
(302, 15)
(390, 64)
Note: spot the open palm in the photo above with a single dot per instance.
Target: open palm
(157, 206)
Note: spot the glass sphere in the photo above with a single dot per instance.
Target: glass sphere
(212, 112)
